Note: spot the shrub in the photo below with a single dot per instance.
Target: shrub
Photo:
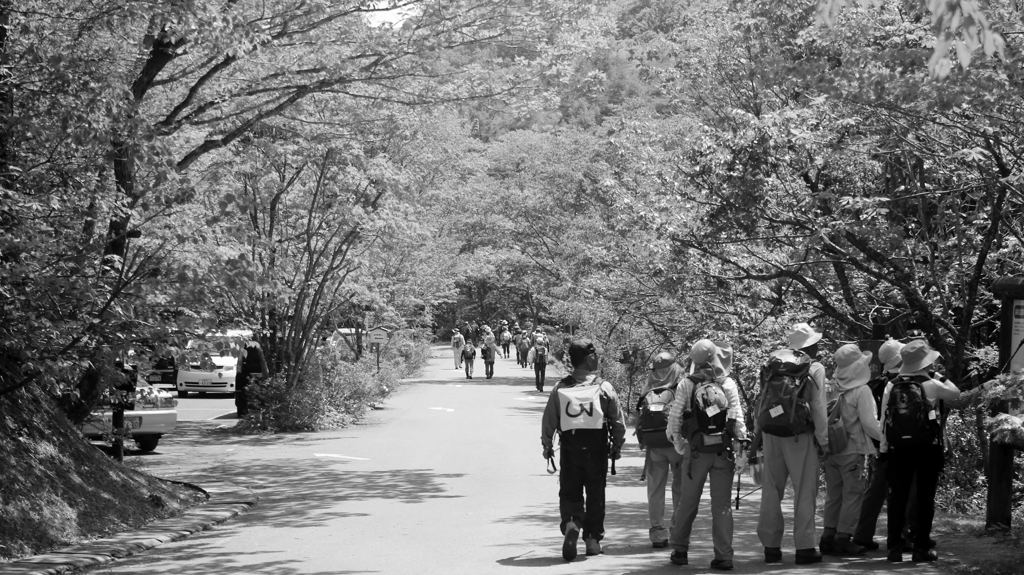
(962, 484)
(334, 390)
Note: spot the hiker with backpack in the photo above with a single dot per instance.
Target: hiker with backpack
(488, 354)
(652, 423)
(852, 424)
(583, 409)
(458, 342)
(912, 443)
(469, 356)
(506, 340)
(524, 348)
(707, 416)
(538, 356)
(878, 486)
(791, 424)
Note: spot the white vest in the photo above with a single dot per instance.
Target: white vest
(579, 407)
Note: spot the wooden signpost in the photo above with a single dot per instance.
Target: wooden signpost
(1011, 358)
(376, 337)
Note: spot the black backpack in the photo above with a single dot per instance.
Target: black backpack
(910, 419)
(709, 407)
(783, 410)
(653, 419)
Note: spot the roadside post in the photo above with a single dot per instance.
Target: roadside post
(377, 336)
(1010, 290)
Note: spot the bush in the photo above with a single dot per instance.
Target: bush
(962, 484)
(334, 390)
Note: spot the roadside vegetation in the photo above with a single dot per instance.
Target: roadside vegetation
(644, 172)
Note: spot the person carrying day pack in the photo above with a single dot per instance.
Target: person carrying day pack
(506, 340)
(791, 424)
(458, 342)
(538, 356)
(583, 410)
(652, 422)
(912, 443)
(878, 487)
(469, 356)
(852, 426)
(488, 354)
(707, 416)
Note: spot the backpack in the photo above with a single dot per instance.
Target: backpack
(487, 353)
(506, 337)
(838, 437)
(251, 363)
(541, 355)
(653, 419)
(709, 407)
(783, 411)
(469, 352)
(910, 419)
(579, 407)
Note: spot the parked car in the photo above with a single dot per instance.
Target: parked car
(149, 417)
(164, 373)
(211, 363)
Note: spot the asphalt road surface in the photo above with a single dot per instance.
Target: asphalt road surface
(446, 478)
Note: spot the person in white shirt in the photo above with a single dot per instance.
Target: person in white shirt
(912, 442)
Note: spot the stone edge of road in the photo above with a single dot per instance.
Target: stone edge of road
(225, 502)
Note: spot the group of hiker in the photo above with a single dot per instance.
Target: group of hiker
(878, 438)
(531, 348)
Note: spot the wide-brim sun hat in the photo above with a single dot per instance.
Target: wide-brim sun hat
(852, 365)
(889, 355)
(801, 336)
(706, 352)
(662, 360)
(917, 356)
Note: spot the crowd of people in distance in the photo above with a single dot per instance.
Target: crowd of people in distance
(532, 349)
(878, 436)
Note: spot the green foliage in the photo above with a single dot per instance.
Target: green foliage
(333, 391)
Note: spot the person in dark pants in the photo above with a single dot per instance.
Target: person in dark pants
(539, 355)
(251, 364)
(487, 354)
(905, 461)
(878, 486)
(468, 357)
(583, 410)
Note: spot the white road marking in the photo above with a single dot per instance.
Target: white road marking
(442, 409)
(340, 456)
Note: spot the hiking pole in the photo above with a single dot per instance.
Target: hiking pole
(739, 481)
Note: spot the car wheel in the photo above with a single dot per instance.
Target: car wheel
(182, 393)
(147, 442)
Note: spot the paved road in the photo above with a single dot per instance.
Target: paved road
(447, 478)
(197, 407)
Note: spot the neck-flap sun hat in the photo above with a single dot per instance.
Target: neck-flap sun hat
(917, 356)
(662, 360)
(852, 366)
(801, 336)
(889, 355)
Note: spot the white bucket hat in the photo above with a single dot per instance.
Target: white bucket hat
(917, 356)
(852, 366)
(802, 336)
(889, 355)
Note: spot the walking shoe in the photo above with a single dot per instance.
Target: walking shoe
(772, 555)
(827, 544)
(870, 545)
(895, 555)
(679, 558)
(659, 544)
(593, 546)
(923, 556)
(843, 546)
(572, 534)
(721, 564)
(807, 556)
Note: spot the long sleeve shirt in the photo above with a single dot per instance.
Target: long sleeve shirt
(860, 421)
(684, 398)
(817, 400)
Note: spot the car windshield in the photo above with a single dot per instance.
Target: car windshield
(216, 350)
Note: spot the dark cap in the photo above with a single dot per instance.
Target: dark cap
(580, 349)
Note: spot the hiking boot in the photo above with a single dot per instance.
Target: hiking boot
(772, 555)
(827, 544)
(659, 544)
(593, 547)
(923, 556)
(843, 546)
(807, 556)
(722, 564)
(572, 534)
(679, 558)
(895, 555)
(869, 545)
